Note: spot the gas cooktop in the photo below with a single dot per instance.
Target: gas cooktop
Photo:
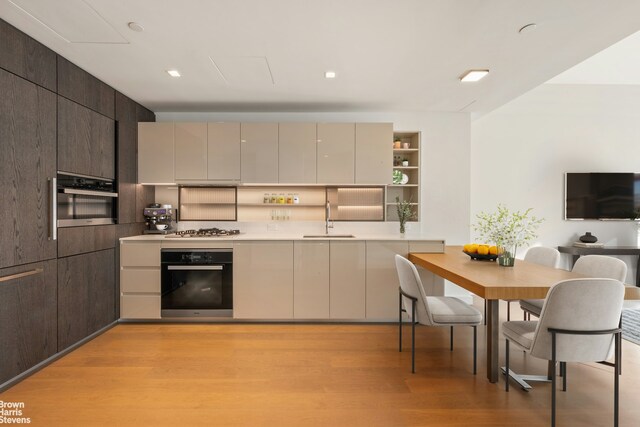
(204, 232)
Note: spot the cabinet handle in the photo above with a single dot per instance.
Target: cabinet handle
(53, 235)
(19, 275)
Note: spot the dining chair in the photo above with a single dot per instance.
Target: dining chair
(542, 255)
(431, 310)
(579, 322)
(589, 266)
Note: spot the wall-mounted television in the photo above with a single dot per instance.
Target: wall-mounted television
(605, 196)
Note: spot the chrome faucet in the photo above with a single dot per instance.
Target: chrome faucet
(328, 218)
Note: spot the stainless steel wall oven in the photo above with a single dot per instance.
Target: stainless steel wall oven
(197, 282)
(84, 200)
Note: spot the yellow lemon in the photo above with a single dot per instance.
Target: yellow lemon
(483, 249)
(473, 248)
(493, 250)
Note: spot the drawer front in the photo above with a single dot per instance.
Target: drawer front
(140, 307)
(140, 254)
(139, 280)
(432, 246)
(79, 240)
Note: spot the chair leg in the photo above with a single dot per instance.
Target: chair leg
(400, 323)
(508, 310)
(553, 380)
(616, 381)
(563, 372)
(451, 339)
(506, 360)
(475, 350)
(413, 337)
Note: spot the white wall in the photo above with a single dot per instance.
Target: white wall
(520, 153)
(445, 162)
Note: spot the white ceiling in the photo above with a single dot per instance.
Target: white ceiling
(257, 55)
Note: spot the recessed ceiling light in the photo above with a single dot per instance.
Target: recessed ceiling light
(527, 28)
(134, 26)
(473, 75)
(173, 73)
(330, 74)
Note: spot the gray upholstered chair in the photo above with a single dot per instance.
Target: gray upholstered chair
(579, 322)
(542, 255)
(589, 266)
(431, 310)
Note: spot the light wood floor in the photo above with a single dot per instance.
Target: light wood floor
(304, 375)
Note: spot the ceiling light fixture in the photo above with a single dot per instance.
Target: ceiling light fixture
(473, 75)
(134, 26)
(330, 75)
(173, 73)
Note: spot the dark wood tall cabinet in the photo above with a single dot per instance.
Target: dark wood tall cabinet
(28, 333)
(28, 161)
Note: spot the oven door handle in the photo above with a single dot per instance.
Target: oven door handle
(195, 267)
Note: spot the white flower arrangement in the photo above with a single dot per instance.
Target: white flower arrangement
(507, 229)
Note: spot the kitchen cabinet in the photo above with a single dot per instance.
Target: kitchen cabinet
(81, 87)
(190, 151)
(348, 280)
(25, 57)
(382, 279)
(27, 162)
(86, 141)
(336, 153)
(123, 230)
(156, 152)
(311, 280)
(406, 160)
(86, 297)
(263, 280)
(374, 147)
(297, 153)
(259, 152)
(145, 194)
(139, 280)
(223, 140)
(78, 240)
(126, 144)
(27, 317)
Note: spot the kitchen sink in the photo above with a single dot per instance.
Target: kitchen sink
(328, 236)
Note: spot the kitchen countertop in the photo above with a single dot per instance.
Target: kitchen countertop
(277, 236)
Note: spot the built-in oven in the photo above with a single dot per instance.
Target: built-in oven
(84, 200)
(196, 282)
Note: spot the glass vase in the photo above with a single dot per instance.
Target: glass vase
(507, 256)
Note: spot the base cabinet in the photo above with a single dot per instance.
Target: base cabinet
(311, 280)
(27, 317)
(86, 297)
(382, 279)
(348, 280)
(263, 280)
(140, 280)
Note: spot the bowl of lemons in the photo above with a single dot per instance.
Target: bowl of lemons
(481, 252)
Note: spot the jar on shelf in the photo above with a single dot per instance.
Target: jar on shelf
(289, 199)
(266, 198)
(274, 198)
(296, 199)
(281, 199)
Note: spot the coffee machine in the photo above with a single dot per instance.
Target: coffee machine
(159, 219)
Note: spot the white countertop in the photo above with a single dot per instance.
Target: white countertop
(279, 236)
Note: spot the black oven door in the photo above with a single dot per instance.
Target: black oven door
(197, 284)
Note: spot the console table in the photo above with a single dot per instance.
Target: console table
(607, 250)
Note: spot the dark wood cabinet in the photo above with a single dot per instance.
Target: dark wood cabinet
(86, 141)
(79, 86)
(86, 295)
(27, 317)
(145, 194)
(27, 58)
(127, 136)
(78, 240)
(27, 162)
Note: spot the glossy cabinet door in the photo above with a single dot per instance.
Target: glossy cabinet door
(223, 151)
(297, 153)
(27, 162)
(259, 152)
(190, 151)
(156, 153)
(374, 153)
(311, 280)
(27, 317)
(336, 153)
(382, 278)
(263, 280)
(348, 280)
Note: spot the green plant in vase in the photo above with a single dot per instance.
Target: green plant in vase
(507, 230)
(405, 212)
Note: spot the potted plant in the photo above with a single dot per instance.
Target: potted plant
(405, 212)
(507, 230)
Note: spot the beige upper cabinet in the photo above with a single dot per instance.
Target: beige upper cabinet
(190, 151)
(224, 151)
(336, 153)
(297, 153)
(259, 152)
(156, 152)
(374, 153)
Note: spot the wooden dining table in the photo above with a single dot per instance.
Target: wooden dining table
(492, 282)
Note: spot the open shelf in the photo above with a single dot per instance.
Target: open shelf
(411, 190)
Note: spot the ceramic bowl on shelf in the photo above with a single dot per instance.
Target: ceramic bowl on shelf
(405, 179)
(478, 257)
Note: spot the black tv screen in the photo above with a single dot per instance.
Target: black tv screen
(602, 195)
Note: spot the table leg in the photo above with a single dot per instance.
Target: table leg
(493, 327)
(638, 272)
